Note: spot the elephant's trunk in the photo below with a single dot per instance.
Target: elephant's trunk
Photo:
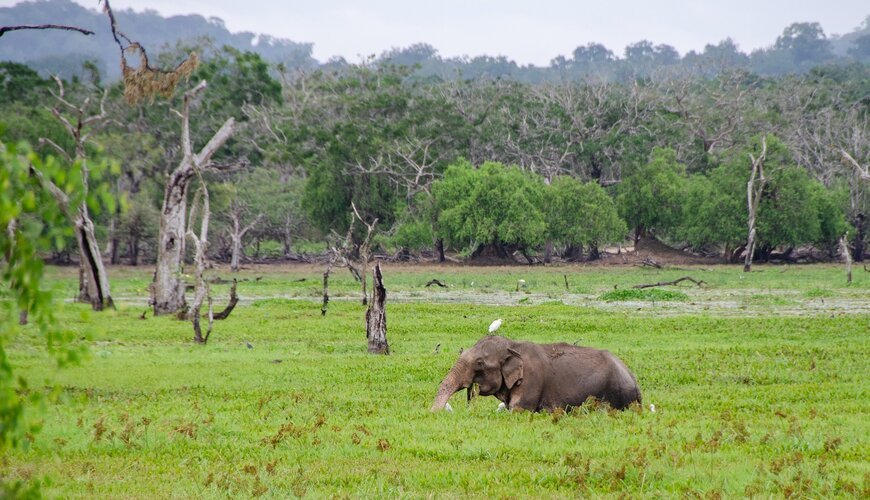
(459, 377)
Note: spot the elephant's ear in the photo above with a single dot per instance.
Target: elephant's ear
(512, 369)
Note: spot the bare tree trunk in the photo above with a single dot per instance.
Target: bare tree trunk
(440, 246)
(365, 251)
(113, 249)
(201, 291)
(754, 189)
(364, 281)
(95, 271)
(548, 252)
(858, 240)
(84, 295)
(238, 233)
(594, 254)
(167, 291)
(847, 257)
(134, 251)
(287, 245)
(93, 281)
(376, 315)
(236, 254)
(337, 252)
(325, 303)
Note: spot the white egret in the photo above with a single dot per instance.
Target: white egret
(494, 326)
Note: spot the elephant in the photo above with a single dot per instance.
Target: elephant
(536, 377)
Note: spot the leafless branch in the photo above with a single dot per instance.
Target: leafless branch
(5, 29)
(862, 171)
(700, 283)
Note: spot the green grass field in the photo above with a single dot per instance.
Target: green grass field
(760, 384)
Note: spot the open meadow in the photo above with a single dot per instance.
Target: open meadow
(759, 382)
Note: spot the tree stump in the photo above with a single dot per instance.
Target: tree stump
(376, 315)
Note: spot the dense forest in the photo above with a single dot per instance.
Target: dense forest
(532, 167)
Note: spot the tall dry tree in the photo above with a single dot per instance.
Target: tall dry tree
(201, 291)
(167, 291)
(365, 254)
(754, 190)
(238, 231)
(81, 123)
(337, 255)
(711, 112)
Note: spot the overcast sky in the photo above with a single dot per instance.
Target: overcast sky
(529, 32)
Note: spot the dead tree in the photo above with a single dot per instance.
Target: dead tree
(237, 232)
(847, 258)
(863, 172)
(93, 279)
(859, 180)
(167, 292)
(754, 190)
(201, 290)
(365, 250)
(376, 315)
(337, 256)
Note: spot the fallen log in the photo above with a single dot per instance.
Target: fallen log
(675, 282)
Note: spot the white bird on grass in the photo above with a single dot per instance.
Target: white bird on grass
(652, 408)
(494, 326)
(448, 407)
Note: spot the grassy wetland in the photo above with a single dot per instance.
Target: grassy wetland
(759, 383)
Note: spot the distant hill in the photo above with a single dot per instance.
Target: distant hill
(802, 46)
(60, 52)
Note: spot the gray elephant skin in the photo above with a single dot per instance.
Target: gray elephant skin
(540, 376)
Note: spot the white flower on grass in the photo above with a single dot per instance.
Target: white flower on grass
(494, 326)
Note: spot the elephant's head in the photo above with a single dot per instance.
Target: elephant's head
(493, 364)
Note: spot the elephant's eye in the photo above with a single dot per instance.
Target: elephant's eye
(480, 362)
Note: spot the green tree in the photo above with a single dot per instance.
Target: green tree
(32, 222)
(805, 42)
(714, 213)
(787, 214)
(649, 199)
(581, 215)
(828, 205)
(494, 206)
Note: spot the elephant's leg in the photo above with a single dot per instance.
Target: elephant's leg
(520, 399)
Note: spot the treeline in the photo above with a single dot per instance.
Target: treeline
(800, 47)
(479, 166)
